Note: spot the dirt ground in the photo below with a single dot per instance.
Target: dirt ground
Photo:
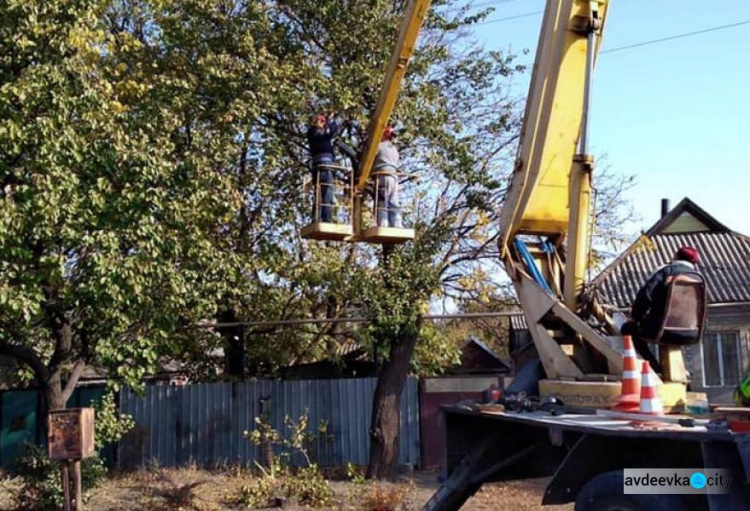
(200, 490)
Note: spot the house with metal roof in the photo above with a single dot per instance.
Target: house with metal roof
(720, 360)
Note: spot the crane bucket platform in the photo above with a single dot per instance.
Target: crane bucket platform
(331, 199)
(387, 222)
(414, 16)
(326, 231)
(387, 235)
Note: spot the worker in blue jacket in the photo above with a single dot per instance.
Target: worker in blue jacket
(320, 137)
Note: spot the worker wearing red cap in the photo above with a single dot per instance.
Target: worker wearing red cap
(385, 168)
(320, 137)
(650, 304)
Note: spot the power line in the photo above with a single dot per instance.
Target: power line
(634, 45)
(677, 36)
(490, 3)
(498, 20)
(308, 321)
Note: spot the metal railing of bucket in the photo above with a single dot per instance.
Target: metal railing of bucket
(332, 198)
(390, 205)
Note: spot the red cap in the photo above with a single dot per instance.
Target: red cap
(320, 117)
(688, 254)
(388, 132)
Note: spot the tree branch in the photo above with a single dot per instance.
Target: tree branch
(75, 375)
(28, 356)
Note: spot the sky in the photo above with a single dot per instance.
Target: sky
(674, 114)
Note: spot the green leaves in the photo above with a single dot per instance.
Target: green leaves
(151, 166)
(108, 221)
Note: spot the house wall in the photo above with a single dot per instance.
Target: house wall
(730, 318)
(685, 223)
(437, 392)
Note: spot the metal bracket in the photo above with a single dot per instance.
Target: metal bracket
(595, 23)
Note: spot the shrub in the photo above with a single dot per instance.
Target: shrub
(309, 488)
(174, 495)
(258, 492)
(384, 499)
(298, 439)
(42, 487)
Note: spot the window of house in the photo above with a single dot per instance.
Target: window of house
(721, 358)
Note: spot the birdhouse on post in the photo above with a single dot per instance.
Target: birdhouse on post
(70, 436)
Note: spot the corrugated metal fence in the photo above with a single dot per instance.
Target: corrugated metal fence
(203, 423)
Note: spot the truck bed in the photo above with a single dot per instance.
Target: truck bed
(600, 425)
(485, 444)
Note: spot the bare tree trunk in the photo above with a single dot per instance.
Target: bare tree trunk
(234, 338)
(53, 392)
(56, 396)
(386, 410)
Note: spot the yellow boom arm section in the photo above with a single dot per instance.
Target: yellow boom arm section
(407, 38)
(538, 200)
(550, 192)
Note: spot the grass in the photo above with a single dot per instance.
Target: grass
(193, 489)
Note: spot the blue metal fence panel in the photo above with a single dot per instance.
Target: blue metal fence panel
(204, 423)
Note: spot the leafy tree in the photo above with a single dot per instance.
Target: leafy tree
(111, 204)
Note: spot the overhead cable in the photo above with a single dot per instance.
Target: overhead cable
(676, 36)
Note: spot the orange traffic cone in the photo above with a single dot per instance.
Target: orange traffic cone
(630, 395)
(650, 401)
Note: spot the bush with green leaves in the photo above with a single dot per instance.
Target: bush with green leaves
(110, 425)
(307, 485)
(257, 492)
(309, 488)
(298, 440)
(42, 489)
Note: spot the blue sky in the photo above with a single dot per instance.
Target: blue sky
(675, 114)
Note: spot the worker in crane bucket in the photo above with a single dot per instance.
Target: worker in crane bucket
(385, 169)
(650, 304)
(320, 137)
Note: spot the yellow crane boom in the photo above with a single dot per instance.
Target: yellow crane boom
(407, 39)
(550, 192)
(540, 193)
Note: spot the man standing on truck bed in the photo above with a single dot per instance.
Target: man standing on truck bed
(650, 304)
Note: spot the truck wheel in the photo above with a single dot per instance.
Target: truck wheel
(605, 493)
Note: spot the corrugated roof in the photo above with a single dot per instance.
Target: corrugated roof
(347, 347)
(725, 263)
